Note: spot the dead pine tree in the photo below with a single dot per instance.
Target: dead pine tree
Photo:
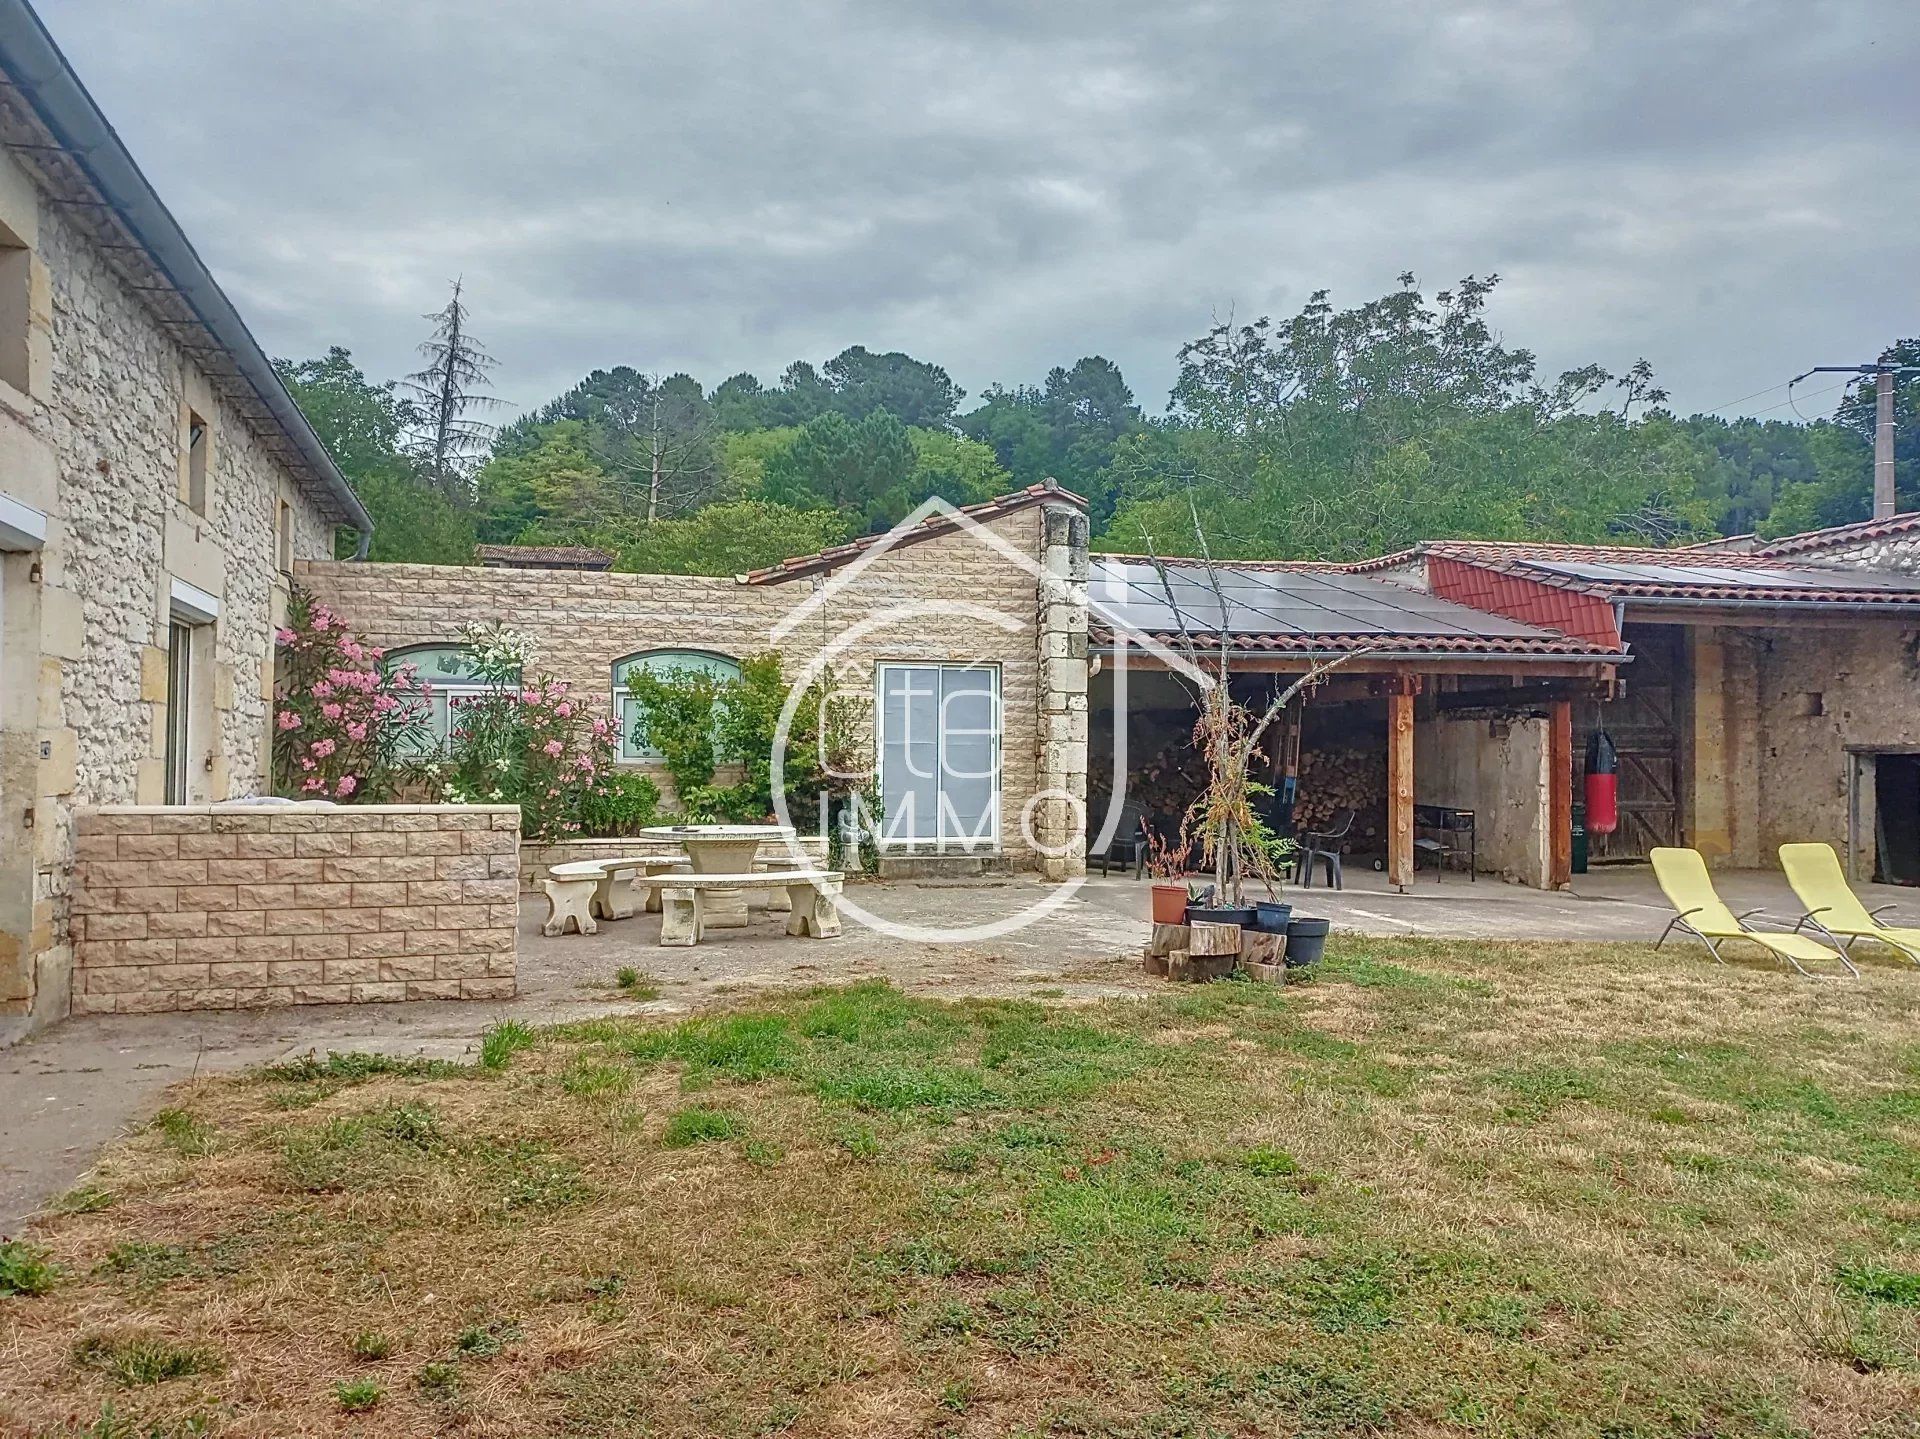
(449, 441)
(1228, 735)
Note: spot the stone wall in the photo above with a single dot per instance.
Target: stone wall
(1858, 547)
(951, 598)
(1496, 767)
(95, 444)
(240, 907)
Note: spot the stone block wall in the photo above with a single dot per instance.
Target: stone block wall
(240, 907)
(949, 598)
(94, 444)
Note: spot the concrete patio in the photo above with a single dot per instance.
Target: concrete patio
(69, 1090)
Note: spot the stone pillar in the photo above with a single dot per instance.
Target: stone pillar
(1059, 823)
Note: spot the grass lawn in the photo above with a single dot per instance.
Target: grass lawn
(1446, 1188)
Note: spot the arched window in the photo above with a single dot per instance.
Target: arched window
(447, 672)
(627, 709)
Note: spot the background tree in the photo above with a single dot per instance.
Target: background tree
(363, 426)
(912, 391)
(859, 467)
(449, 440)
(1066, 431)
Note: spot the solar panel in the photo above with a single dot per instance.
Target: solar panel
(1743, 577)
(1298, 602)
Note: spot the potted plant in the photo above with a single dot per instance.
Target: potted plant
(1167, 865)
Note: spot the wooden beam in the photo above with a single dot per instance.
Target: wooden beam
(1400, 788)
(1560, 794)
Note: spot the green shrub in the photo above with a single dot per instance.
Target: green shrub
(357, 1395)
(438, 1380)
(697, 1125)
(143, 1358)
(183, 1133)
(620, 802)
(25, 1268)
(370, 1345)
(503, 1041)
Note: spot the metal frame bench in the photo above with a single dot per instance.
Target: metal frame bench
(812, 895)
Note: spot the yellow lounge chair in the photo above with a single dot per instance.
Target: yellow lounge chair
(1833, 908)
(1683, 877)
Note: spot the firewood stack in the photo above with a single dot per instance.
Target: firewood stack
(1335, 779)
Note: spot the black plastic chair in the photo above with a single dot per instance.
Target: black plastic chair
(1323, 845)
(1129, 847)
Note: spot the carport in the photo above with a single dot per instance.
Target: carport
(1429, 702)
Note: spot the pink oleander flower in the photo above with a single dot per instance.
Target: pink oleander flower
(322, 748)
(314, 783)
(563, 709)
(551, 793)
(305, 763)
(529, 697)
(287, 719)
(348, 784)
(385, 704)
(600, 726)
(356, 732)
(554, 748)
(331, 711)
(283, 636)
(321, 619)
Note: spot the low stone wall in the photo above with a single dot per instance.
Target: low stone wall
(240, 907)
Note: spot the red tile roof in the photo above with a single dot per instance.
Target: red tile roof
(1836, 535)
(544, 557)
(1684, 574)
(932, 527)
(1393, 646)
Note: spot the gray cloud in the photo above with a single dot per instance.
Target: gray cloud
(1729, 190)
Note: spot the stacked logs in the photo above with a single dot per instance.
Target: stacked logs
(1334, 779)
(1195, 953)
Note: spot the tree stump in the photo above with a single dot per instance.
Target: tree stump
(1154, 963)
(1259, 947)
(1166, 939)
(1266, 973)
(1213, 939)
(1178, 964)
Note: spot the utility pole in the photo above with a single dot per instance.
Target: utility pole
(1883, 505)
(1885, 374)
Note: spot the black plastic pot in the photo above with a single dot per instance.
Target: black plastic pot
(1242, 915)
(1306, 941)
(1273, 917)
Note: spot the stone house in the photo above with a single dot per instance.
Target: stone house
(157, 484)
(973, 620)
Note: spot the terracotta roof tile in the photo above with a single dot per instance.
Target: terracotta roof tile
(544, 557)
(1835, 535)
(932, 527)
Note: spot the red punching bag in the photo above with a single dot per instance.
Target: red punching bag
(1603, 784)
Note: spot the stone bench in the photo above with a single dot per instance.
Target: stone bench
(811, 895)
(583, 890)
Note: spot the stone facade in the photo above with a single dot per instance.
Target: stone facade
(204, 907)
(1898, 552)
(951, 598)
(95, 449)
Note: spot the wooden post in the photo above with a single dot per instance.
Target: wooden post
(1400, 787)
(1560, 794)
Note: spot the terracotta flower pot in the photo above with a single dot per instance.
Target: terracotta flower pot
(1169, 904)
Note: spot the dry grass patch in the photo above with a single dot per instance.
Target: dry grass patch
(1444, 1189)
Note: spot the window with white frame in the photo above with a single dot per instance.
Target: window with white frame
(446, 672)
(939, 745)
(627, 708)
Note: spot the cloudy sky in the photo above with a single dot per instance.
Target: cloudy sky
(1729, 189)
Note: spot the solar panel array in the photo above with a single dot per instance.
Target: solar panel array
(1744, 576)
(1284, 602)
